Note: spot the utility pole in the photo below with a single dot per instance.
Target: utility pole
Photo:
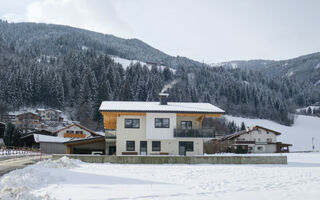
(312, 143)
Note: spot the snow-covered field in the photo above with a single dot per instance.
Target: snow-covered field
(300, 134)
(72, 179)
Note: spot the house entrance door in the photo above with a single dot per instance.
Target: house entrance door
(143, 147)
(112, 150)
(182, 150)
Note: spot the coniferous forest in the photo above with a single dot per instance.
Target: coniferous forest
(77, 80)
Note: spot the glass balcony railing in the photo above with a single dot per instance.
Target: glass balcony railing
(200, 133)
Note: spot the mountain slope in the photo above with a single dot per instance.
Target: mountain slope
(304, 68)
(244, 64)
(56, 40)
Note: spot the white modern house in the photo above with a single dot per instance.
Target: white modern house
(156, 128)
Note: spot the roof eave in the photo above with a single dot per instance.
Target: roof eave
(162, 111)
(83, 140)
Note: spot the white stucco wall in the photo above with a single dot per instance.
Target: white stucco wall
(160, 133)
(257, 136)
(172, 146)
(129, 134)
(266, 148)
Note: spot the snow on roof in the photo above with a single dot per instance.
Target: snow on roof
(46, 138)
(100, 133)
(173, 107)
(236, 134)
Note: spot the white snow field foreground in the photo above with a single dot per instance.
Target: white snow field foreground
(72, 179)
(300, 134)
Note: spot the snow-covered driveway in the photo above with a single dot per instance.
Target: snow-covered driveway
(72, 179)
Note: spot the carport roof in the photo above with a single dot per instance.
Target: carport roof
(91, 139)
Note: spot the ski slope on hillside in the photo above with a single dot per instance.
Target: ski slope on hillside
(300, 134)
(126, 63)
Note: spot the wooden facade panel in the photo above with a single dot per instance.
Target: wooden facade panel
(110, 122)
(197, 115)
(74, 135)
(213, 115)
(110, 118)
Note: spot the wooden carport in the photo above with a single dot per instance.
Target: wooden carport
(86, 146)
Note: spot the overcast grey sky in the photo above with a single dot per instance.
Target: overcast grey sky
(205, 30)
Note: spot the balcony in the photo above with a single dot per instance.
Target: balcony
(198, 133)
(110, 134)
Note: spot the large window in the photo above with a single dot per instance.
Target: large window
(132, 123)
(187, 145)
(162, 123)
(130, 146)
(186, 124)
(70, 131)
(156, 146)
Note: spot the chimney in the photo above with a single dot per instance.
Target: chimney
(163, 98)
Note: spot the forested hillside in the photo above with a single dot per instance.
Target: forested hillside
(69, 69)
(56, 40)
(303, 68)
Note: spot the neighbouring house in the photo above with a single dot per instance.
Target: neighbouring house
(28, 122)
(257, 139)
(156, 128)
(8, 119)
(54, 142)
(75, 131)
(50, 114)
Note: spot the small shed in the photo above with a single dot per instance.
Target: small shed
(51, 144)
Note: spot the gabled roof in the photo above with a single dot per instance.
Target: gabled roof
(237, 134)
(26, 113)
(266, 129)
(39, 132)
(172, 107)
(80, 126)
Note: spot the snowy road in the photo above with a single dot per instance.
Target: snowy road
(72, 179)
(9, 163)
